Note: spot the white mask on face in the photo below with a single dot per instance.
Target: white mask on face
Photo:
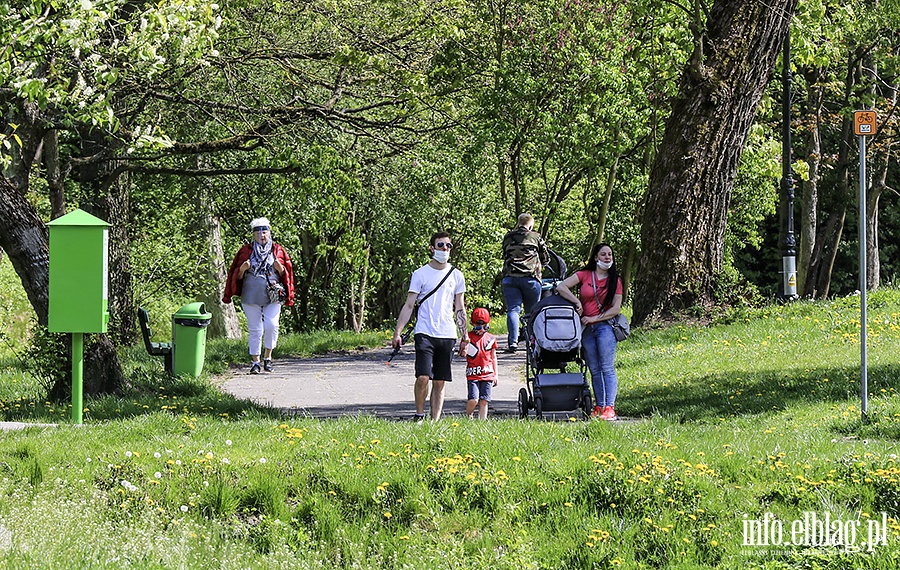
(441, 255)
(604, 266)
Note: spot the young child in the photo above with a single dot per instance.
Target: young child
(481, 364)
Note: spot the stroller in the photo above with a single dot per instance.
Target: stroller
(554, 272)
(553, 341)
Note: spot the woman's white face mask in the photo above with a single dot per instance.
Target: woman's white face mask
(441, 255)
(604, 266)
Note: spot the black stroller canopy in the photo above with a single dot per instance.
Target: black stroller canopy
(556, 267)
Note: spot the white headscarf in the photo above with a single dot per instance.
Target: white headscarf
(261, 258)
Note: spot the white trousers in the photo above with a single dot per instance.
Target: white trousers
(262, 325)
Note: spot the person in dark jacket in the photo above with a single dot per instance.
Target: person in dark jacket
(524, 255)
(262, 275)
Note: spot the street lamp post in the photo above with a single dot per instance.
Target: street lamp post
(788, 243)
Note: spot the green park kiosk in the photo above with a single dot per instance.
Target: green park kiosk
(79, 276)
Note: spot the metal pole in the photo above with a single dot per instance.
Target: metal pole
(77, 376)
(864, 382)
(789, 252)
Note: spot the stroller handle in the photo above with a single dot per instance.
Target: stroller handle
(549, 284)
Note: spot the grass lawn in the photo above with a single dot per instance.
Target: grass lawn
(749, 451)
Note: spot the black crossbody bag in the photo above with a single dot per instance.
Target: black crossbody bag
(620, 325)
(412, 319)
(430, 293)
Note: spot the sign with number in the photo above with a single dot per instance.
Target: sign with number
(864, 123)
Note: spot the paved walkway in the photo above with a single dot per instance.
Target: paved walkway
(9, 426)
(360, 382)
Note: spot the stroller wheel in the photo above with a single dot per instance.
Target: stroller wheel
(586, 407)
(538, 408)
(523, 403)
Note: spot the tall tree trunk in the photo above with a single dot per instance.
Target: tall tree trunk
(30, 131)
(873, 260)
(55, 176)
(515, 163)
(501, 174)
(358, 289)
(610, 185)
(24, 237)
(827, 243)
(683, 229)
(831, 240)
(224, 322)
(627, 270)
(123, 314)
(809, 199)
(877, 186)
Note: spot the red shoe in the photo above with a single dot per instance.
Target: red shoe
(608, 414)
(597, 411)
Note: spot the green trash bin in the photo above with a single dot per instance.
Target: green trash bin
(189, 339)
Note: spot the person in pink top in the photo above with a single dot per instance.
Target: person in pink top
(481, 364)
(599, 299)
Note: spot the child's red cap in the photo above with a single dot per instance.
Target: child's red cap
(482, 315)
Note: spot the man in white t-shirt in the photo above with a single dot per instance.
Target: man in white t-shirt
(441, 315)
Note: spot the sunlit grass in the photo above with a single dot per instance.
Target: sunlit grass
(15, 312)
(756, 417)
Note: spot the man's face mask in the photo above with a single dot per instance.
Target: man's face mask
(441, 255)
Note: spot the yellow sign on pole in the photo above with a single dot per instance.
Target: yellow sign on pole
(864, 123)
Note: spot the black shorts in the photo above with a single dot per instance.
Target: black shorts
(433, 357)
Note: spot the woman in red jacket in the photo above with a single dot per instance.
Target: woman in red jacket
(262, 275)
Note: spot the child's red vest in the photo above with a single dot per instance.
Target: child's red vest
(479, 364)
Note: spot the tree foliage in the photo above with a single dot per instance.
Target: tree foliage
(360, 128)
